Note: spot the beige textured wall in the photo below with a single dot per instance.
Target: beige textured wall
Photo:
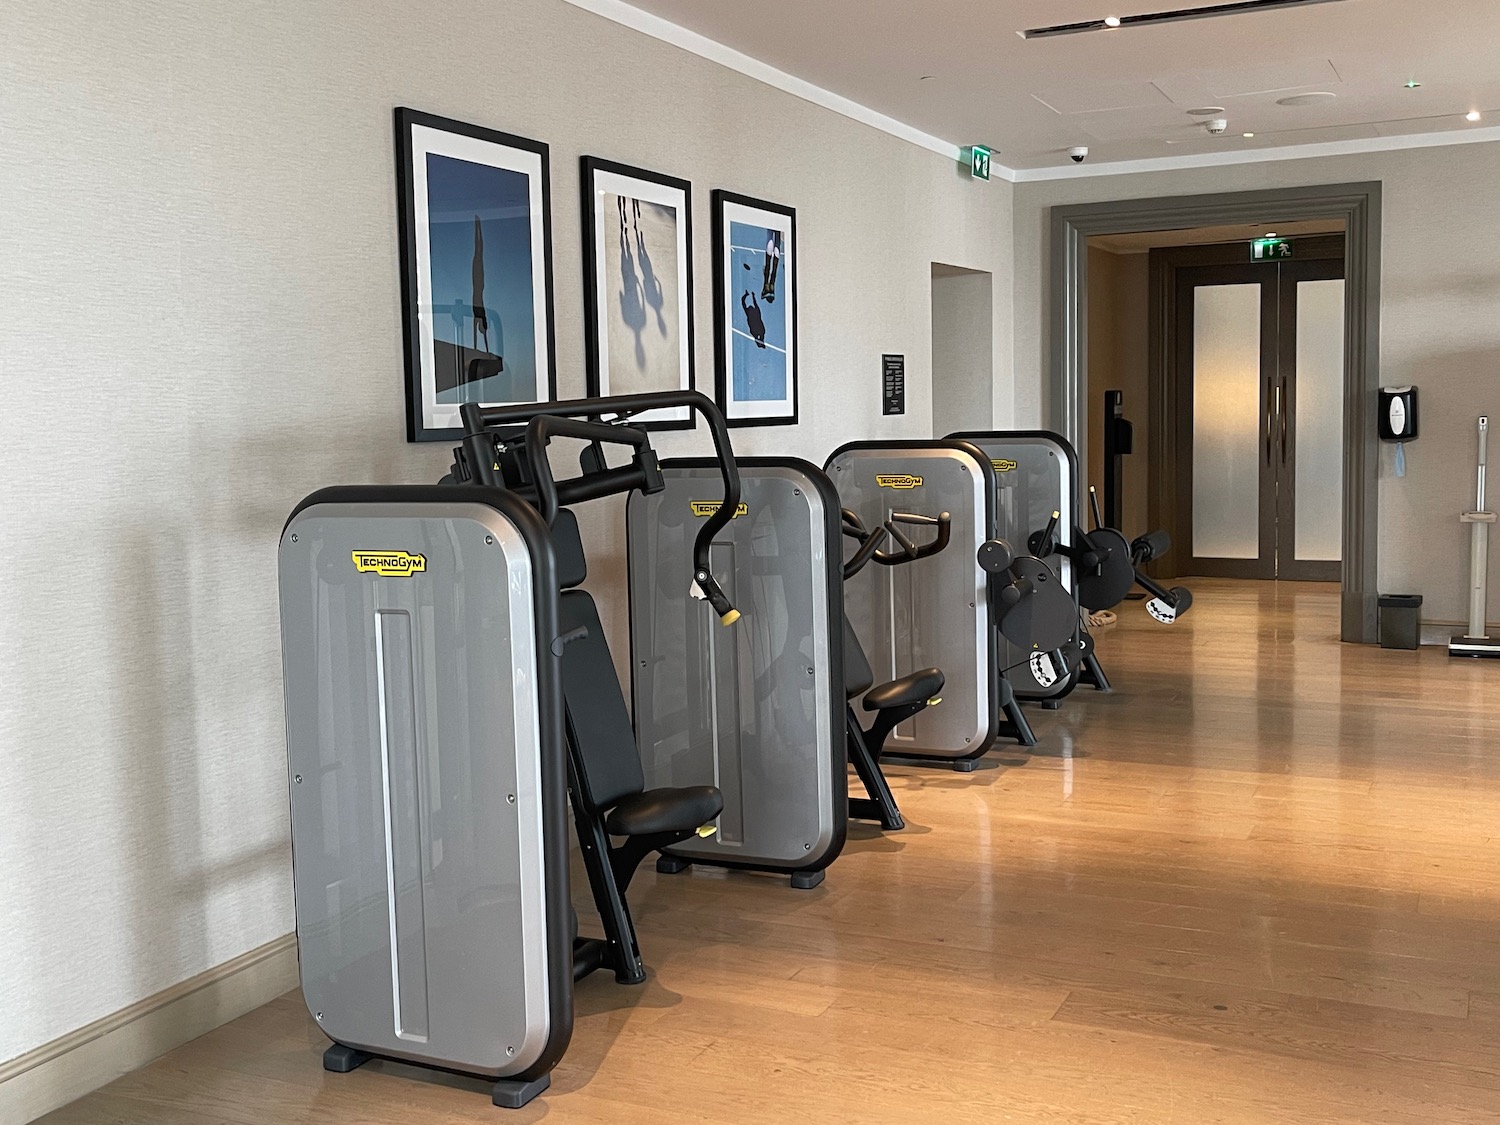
(1440, 288)
(202, 324)
(963, 350)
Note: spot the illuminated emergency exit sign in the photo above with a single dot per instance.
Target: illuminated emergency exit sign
(1270, 249)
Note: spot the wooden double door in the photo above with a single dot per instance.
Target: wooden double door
(1257, 376)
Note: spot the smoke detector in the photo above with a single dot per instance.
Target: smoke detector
(1217, 126)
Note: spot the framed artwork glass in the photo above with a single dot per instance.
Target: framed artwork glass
(755, 310)
(638, 285)
(476, 270)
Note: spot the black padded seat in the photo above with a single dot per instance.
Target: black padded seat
(665, 810)
(918, 687)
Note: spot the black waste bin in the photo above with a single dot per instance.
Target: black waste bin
(1400, 620)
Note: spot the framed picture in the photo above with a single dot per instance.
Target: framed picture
(755, 310)
(476, 270)
(638, 285)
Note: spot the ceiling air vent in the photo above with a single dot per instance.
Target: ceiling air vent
(1208, 11)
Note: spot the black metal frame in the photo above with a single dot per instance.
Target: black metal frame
(506, 447)
(722, 380)
(589, 167)
(406, 119)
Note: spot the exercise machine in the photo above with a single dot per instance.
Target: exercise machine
(758, 710)
(1036, 486)
(934, 613)
(1106, 566)
(1476, 641)
(448, 691)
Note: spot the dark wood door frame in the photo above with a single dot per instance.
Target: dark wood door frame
(1173, 270)
(1359, 206)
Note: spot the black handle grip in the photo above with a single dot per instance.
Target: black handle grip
(867, 550)
(479, 447)
(1094, 508)
(911, 552)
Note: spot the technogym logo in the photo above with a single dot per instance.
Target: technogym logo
(898, 480)
(705, 508)
(391, 564)
(1005, 465)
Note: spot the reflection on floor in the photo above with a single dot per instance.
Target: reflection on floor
(1258, 883)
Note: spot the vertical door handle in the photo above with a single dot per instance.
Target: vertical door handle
(1270, 421)
(1281, 406)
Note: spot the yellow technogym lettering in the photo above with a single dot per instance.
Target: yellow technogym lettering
(391, 564)
(898, 480)
(705, 508)
(1005, 465)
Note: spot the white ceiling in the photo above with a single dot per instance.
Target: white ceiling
(1125, 93)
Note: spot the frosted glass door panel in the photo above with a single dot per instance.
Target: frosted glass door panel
(1320, 423)
(1226, 422)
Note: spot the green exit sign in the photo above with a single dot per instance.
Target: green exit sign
(979, 162)
(1270, 249)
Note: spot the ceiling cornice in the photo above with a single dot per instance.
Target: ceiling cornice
(678, 36)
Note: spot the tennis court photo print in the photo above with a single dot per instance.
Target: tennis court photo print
(756, 310)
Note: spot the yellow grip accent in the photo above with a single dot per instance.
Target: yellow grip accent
(934, 701)
(730, 618)
(708, 830)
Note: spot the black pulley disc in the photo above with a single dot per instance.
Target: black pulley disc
(1045, 619)
(1107, 586)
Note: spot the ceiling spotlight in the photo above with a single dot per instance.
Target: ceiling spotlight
(1111, 21)
(1247, 136)
(1473, 115)
(1270, 234)
(1413, 84)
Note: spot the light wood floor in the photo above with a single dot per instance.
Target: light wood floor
(1259, 883)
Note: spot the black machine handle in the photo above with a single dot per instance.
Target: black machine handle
(996, 557)
(910, 552)
(867, 548)
(1046, 543)
(1094, 508)
(545, 420)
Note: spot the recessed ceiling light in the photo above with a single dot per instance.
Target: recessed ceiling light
(1312, 98)
(1111, 21)
(1270, 234)
(1473, 115)
(1247, 136)
(1413, 84)
(1206, 111)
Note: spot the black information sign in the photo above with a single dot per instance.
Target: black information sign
(893, 384)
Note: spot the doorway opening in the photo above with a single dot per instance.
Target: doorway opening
(1259, 499)
(963, 348)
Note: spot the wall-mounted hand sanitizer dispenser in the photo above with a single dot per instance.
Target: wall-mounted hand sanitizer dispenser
(1398, 413)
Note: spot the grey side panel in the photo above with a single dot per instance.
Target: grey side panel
(1035, 475)
(413, 746)
(932, 613)
(748, 708)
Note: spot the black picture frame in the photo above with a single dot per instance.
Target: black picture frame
(729, 209)
(638, 281)
(417, 133)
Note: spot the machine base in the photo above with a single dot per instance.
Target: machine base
(1474, 646)
(806, 880)
(340, 1059)
(509, 1093)
(671, 865)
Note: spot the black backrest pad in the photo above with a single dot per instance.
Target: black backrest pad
(605, 754)
(857, 674)
(567, 545)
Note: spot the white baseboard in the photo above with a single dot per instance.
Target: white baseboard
(78, 1063)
